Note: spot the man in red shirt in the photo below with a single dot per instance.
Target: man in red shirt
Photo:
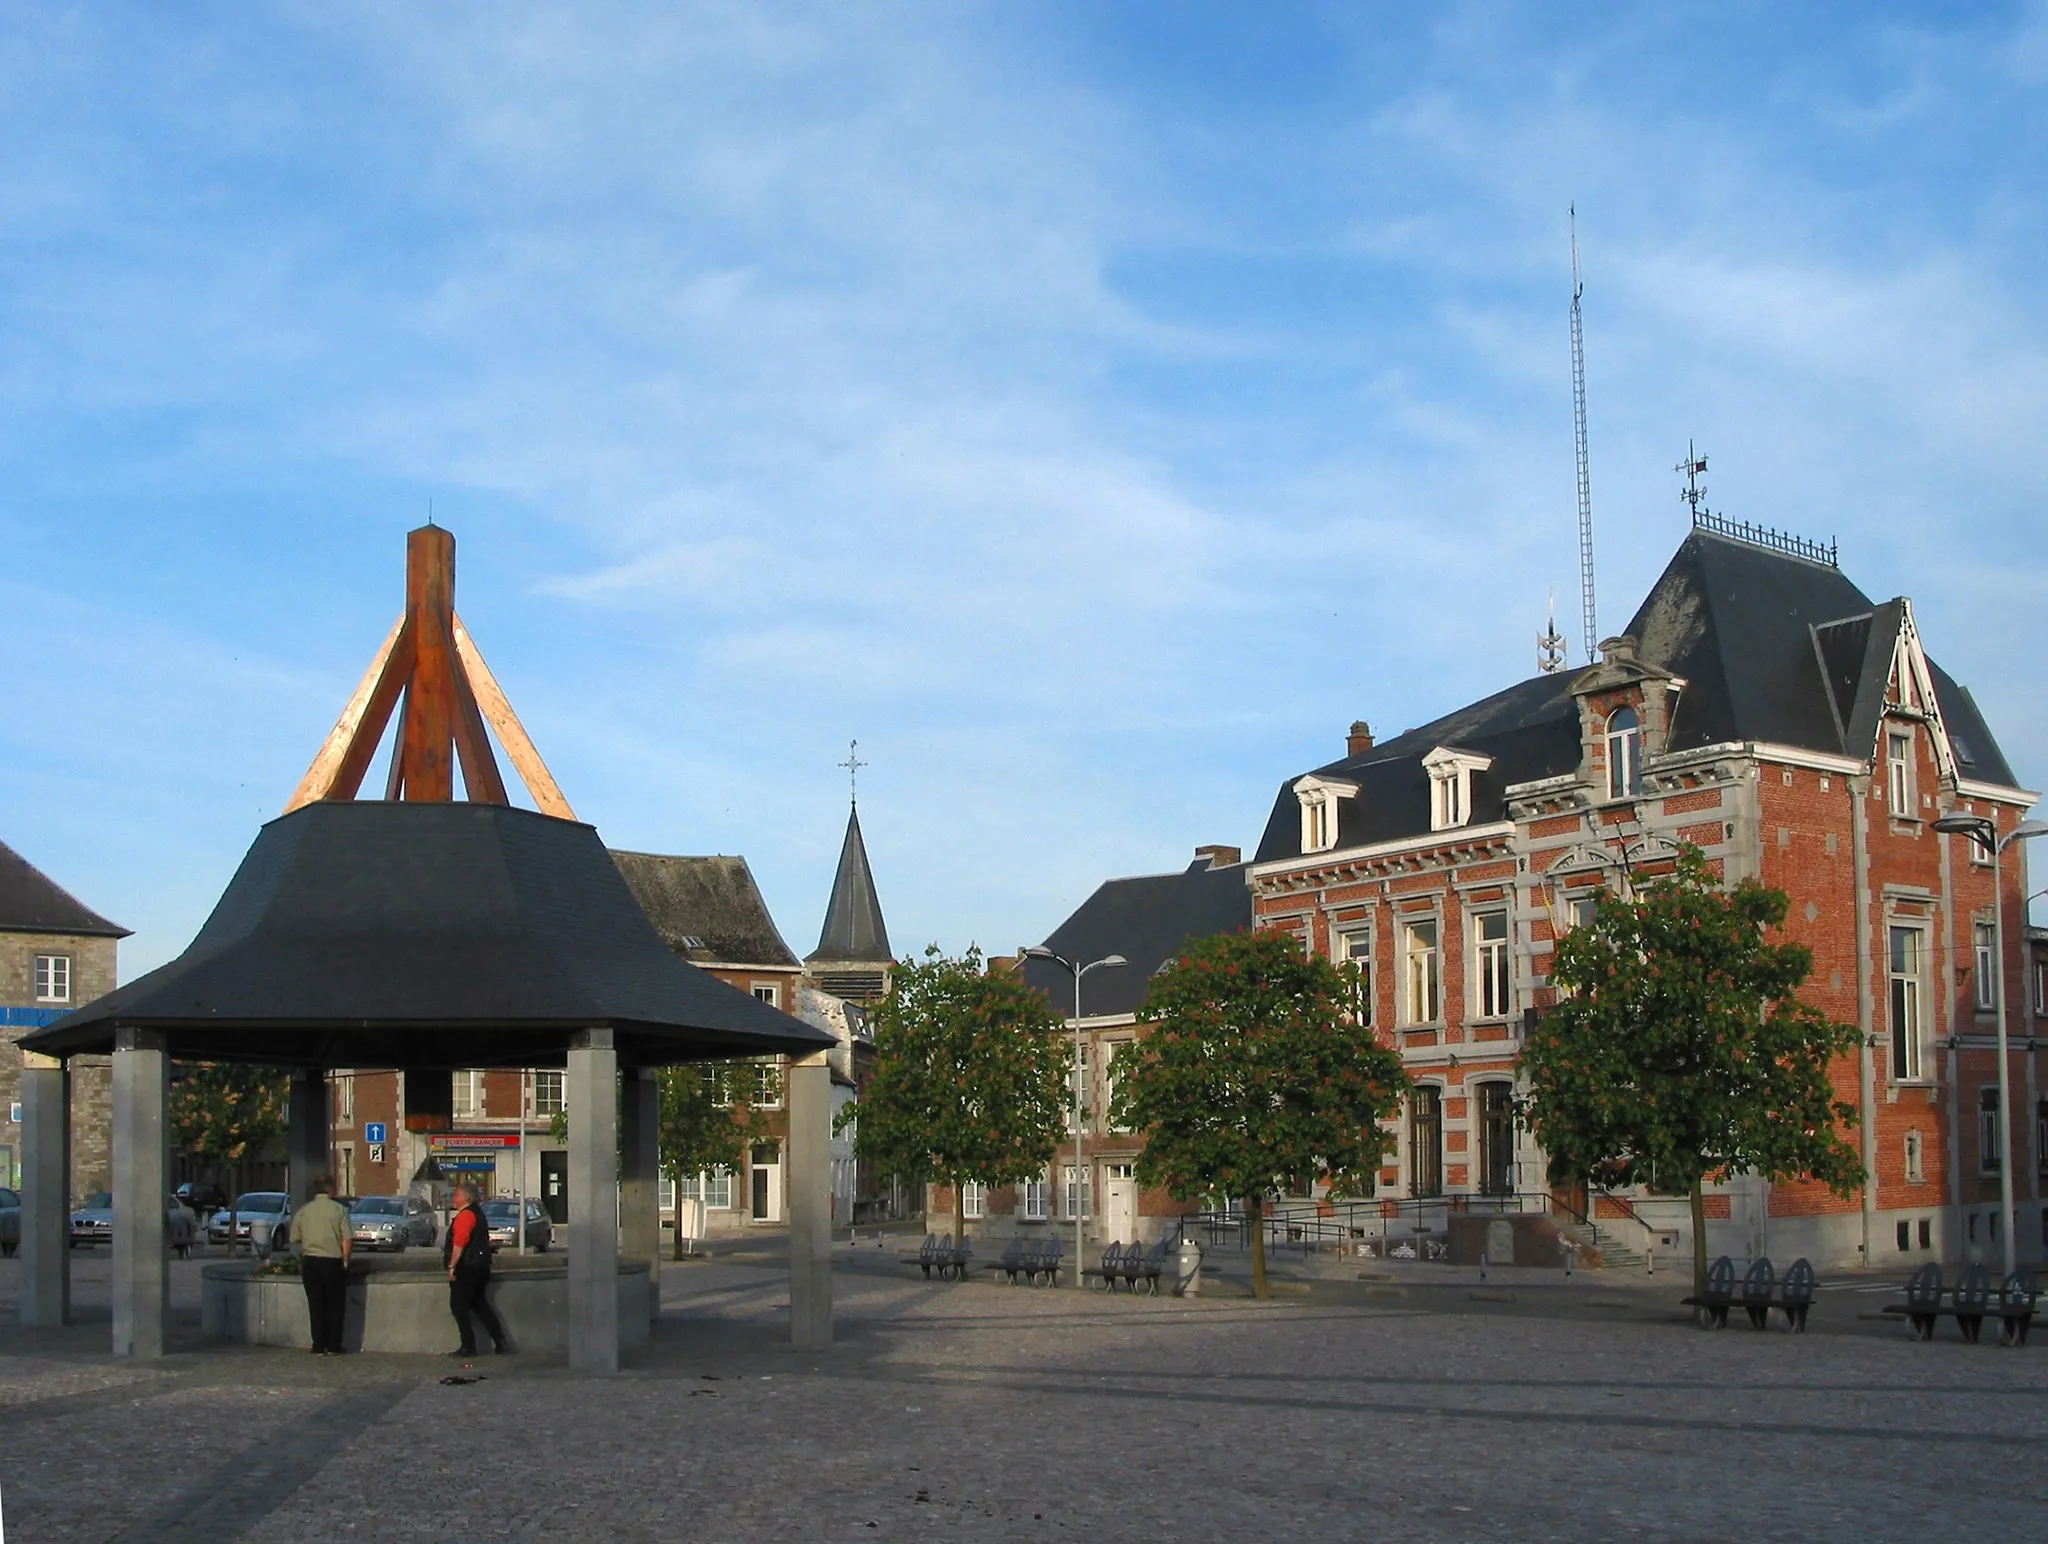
(468, 1254)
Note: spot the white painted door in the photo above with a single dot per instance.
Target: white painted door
(1120, 1202)
(766, 1198)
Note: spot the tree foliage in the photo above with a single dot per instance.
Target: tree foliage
(225, 1113)
(709, 1119)
(1256, 1076)
(1679, 1051)
(969, 1078)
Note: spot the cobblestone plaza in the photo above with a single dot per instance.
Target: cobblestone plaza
(1426, 1407)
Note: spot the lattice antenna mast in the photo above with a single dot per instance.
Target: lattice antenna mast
(1587, 620)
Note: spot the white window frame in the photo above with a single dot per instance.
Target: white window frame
(759, 1100)
(1081, 1086)
(467, 1094)
(973, 1200)
(343, 1085)
(1898, 773)
(550, 1092)
(53, 978)
(1318, 797)
(1984, 975)
(1087, 1183)
(1450, 786)
(1990, 1151)
(2041, 986)
(1493, 964)
(1112, 1051)
(769, 992)
(1906, 1003)
(1624, 754)
(1916, 1158)
(1354, 947)
(1036, 1197)
(1422, 972)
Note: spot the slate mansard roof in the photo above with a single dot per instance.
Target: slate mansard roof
(32, 902)
(713, 901)
(1146, 919)
(1773, 648)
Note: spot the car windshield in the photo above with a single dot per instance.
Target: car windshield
(260, 1201)
(103, 1202)
(380, 1206)
(502, 1211)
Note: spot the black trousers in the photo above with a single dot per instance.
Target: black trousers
(466, 1298)
(326, 1299)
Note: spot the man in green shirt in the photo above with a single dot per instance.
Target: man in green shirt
(320, 1231)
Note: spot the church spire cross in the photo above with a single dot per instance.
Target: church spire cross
(853, 764)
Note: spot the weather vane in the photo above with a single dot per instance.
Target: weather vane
(1695, 492)
(853, 764)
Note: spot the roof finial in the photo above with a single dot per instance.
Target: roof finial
(1695, 492)
(853, 764)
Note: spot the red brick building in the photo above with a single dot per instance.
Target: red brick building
(1760, 707)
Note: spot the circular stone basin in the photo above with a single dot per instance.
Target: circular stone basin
(394, 1305)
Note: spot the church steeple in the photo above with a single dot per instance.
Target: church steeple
(852, 959)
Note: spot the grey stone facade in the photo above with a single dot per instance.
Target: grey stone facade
(92, 974)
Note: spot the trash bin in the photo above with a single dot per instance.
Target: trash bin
(1187, 1276)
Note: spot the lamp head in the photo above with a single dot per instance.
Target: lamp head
(1965, 825)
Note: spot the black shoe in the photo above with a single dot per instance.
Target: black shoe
(464, 1351)
(502, 1348)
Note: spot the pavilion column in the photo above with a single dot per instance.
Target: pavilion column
(640, 1175)
(310, 1138)
(141, 1273)
(45, 1191)
(593, 1202)
(810, 1202)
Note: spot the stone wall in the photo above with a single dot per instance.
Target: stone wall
(92, 975)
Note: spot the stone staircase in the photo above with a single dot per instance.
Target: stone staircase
(1614, 1255)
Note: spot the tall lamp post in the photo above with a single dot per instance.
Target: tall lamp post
(1983, 830)
(1108, 961)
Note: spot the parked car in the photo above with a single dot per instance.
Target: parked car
(503, 1217)
(204, 1199)
(260, 1214)
(392, 1222)
(10, 1221)
(93, 1223)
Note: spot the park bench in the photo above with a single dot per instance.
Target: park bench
(1969, 1304)
(1146, 1265)
(1111, 1270)
(1045, 1262)
(1759, 1293)
(1011, 1262)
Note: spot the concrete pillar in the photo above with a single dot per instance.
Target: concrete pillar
(640, 1175)
(593, 1202)
(45, 1191)
(309, 1140)
(810, 1203)
(141, 1272)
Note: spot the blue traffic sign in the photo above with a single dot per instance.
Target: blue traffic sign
(373, 1131)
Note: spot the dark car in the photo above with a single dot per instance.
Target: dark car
(10, 1221)
(93, 1223)
(201, 1198)
(503, 1217)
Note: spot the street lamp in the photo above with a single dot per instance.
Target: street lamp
(1983, 830)
(1108, 961)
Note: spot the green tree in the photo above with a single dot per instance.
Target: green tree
(1256, 1075)
(225, 1113)
(1678, 1050)
(968, 1082)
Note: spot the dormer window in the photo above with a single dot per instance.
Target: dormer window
(1450, 785)
(1319, 796)
(1624, 754)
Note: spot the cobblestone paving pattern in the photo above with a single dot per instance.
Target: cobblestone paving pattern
(977, 1411)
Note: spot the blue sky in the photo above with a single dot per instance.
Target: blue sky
(1093, 409)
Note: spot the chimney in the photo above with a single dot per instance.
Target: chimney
(1220, 856)
(1359, 741)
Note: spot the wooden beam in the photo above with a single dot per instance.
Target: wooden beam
(319, 776)
(490, 699)
(481, 782)
(362, 746)
(429, 730)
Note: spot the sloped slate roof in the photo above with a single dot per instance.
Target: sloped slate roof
(32, 902)
(713, 900)
(429, 935)
(854, 931)
(1146, 919)
(1772, 648)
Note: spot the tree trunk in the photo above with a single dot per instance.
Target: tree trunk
(679, 1219)
(1699, 1237)
(959, 1213)
(1252, 1209)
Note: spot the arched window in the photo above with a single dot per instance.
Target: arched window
(1624, 754)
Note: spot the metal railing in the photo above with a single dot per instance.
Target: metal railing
(1310, 1227)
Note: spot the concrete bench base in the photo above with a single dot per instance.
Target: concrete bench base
(396, 1307)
